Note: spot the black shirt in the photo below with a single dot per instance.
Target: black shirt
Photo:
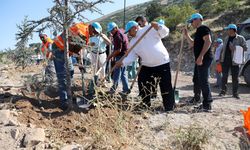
(228, 56)
(199, 42)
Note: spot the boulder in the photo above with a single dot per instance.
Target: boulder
(34, 137)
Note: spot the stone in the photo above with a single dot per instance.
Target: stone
(4, 117)
(13, 122)
(14, 133)
(34, 137)
(71, 147)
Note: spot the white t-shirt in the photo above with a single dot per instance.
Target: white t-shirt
(150, 49)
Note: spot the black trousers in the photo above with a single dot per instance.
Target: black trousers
(201, 83)
(226, 66)
(149, 77)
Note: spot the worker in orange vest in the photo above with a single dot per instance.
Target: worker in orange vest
(50, 73)
(79, 34)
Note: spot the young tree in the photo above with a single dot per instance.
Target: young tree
(61, 16)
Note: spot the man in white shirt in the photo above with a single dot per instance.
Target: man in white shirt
(154, 59)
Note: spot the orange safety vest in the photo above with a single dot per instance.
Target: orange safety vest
(75, 30)
(45, 47)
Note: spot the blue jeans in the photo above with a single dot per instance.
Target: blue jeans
(201, 83)
(59, 62)
(120, 73)
(132, 70)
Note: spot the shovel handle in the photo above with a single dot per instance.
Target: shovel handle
(179, 60)
(131, 48)
(132, 84)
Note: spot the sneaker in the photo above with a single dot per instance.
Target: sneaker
(222, 93)
(236, 96)
(64, 106)
(195, 100)
(202, 108)
(124, 93)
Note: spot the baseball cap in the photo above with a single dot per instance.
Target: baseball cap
(231, 26)
(195, 16)
(111, 26)
(129, 25)
(97, 27)
(219, 40)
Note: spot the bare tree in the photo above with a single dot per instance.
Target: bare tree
(61, 16)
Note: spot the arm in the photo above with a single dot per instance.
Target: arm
(162, 30)
(106, 39)
(244, 44)
(207, 44)
(188, 37)
(128, 60)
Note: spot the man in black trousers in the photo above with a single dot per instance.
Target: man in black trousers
(203, 58)
(154, 60)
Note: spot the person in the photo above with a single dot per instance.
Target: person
(155, 61)
(203, 58)
(79, 32)
(99, 41)
(218, 69)
(120, 42)
(50, 68)
(142, 21)
(227, 53)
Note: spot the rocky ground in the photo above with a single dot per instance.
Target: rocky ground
(29, 121)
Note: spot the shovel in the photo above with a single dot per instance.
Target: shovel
(130, 49)
(176, 92)
(133, 82)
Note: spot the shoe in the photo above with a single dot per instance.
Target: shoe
(216, 86)
(64, 106)
(222, 93)
(124, 93)
(110, 92)
(236, 96)
(195, 100)
(202, 108)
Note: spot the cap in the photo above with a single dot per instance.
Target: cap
(195, 16)
(111, 26)
(161, 22)
(219, 40)
(97, 27)
(231, 26)
(129, 25)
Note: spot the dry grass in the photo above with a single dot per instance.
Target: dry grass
(192, 138)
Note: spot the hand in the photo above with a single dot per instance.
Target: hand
(118, 64)
(231, 46)
(109, 57)
(81, 68)
(199, 61)
(155, 25)
(92, 44)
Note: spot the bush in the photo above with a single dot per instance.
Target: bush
(177, 14)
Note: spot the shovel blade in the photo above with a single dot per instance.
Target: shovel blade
(176, 96)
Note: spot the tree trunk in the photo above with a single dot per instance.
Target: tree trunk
(66, 54)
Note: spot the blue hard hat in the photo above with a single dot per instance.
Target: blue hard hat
(231, 26)
(219, 40)
(195, 16)
(97, 27)
(129, 25)
(111, 26)
(161, 22)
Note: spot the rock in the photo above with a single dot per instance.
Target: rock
(40, 146)
(13, 122)
(4, 117)
(34, 137)
(31, 125)
(14, 133)
(71, 147)
(6, 88)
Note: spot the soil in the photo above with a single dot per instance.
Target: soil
(109, 126)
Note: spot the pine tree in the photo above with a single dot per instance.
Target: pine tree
(61, 16)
